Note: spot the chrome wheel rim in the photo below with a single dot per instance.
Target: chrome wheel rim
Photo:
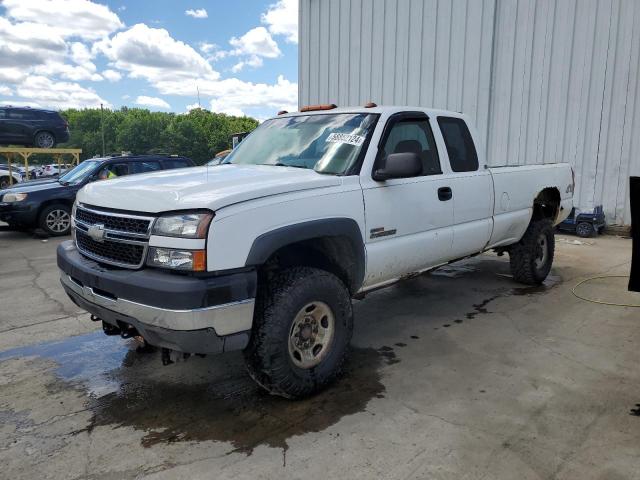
(542, 251)
(58, 221)
(45, 140)
(311, 335)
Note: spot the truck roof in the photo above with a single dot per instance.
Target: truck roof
(382, 109)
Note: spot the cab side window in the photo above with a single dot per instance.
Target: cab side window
(460, 146)
(414, 136)
(175, 163)
(113, 170)
(143, 167)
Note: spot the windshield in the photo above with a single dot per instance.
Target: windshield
(79, 172)
(327, 143)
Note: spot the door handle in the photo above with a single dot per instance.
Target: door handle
(444, 194)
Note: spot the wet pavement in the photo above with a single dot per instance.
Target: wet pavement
(458, 374)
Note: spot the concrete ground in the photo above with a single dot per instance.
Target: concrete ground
(462, 374)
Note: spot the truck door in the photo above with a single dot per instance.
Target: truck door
(472, 189)
(408, 220)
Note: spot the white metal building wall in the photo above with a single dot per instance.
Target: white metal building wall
(545, 80)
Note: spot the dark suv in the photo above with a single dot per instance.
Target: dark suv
(32, 127)
(47, 203)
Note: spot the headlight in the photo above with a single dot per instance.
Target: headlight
(185, 225)
(189, 260)
(14, 197)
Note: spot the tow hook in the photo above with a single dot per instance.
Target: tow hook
(166, 357)
(127, 331)
(109, 329)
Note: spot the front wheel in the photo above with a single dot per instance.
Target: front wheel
(531, 258)
(584, 229)
(55, 220)
(301, 332)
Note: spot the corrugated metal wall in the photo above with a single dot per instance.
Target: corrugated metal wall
(545, 80)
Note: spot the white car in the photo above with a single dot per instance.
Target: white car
(53, 170)
(266, 252)
(5, 178)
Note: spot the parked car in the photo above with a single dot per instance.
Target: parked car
(32, 127)
(219, 158)
(265, 252)
(584, 223)
(53, 170)
(47, 203)
(5, 177)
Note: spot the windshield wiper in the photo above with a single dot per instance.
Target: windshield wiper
(283, 165)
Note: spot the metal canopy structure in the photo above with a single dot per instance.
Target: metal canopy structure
(58, 153)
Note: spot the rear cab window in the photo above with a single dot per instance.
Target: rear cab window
(460, 147)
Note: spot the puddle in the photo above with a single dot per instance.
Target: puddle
(186, 402)
(550, 282)
(453, 270)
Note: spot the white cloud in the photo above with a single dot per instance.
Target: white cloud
(76, 73)
(253, 61)
(152, 102)
(234, 93)
(282, 19)
(6, 91)
(256, 42)
(153, 54)
(112, 75)
(46, 92)
(198, 13)
(71, 18)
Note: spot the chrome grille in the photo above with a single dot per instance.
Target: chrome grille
(112, 238)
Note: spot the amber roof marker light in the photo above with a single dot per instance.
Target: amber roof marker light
(323, 106)
(370, 105)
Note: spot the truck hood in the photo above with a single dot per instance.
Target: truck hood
(201, 187)
(33, 186)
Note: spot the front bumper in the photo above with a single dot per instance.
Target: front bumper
(18, 213)
(188, 314)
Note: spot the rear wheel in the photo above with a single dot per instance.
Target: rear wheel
(45, 140)
(584, 229)
(531, 258)
(302, 328)
(56, 220)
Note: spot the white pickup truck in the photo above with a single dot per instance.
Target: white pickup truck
(265, 252)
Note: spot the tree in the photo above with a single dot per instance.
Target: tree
(199, 134)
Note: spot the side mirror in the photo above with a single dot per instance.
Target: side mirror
(399, 165)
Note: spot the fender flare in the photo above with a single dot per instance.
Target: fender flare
(268, 243)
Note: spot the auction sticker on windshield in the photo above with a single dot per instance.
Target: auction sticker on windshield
(347, 138)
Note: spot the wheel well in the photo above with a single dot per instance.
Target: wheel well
(335, 254)
(55, 201)
(547, 204)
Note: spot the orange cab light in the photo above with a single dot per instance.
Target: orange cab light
(199, 260)
(323, 106)
(370, 105)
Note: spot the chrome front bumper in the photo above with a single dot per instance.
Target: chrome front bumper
(225, 319)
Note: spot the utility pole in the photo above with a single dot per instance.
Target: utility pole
(198, 90)
(102, 127)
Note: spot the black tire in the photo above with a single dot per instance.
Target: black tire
(584, 230)
(44, 139)
(280, 302)
(46, 220)
(529, 263)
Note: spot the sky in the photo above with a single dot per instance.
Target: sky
(241, 55)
